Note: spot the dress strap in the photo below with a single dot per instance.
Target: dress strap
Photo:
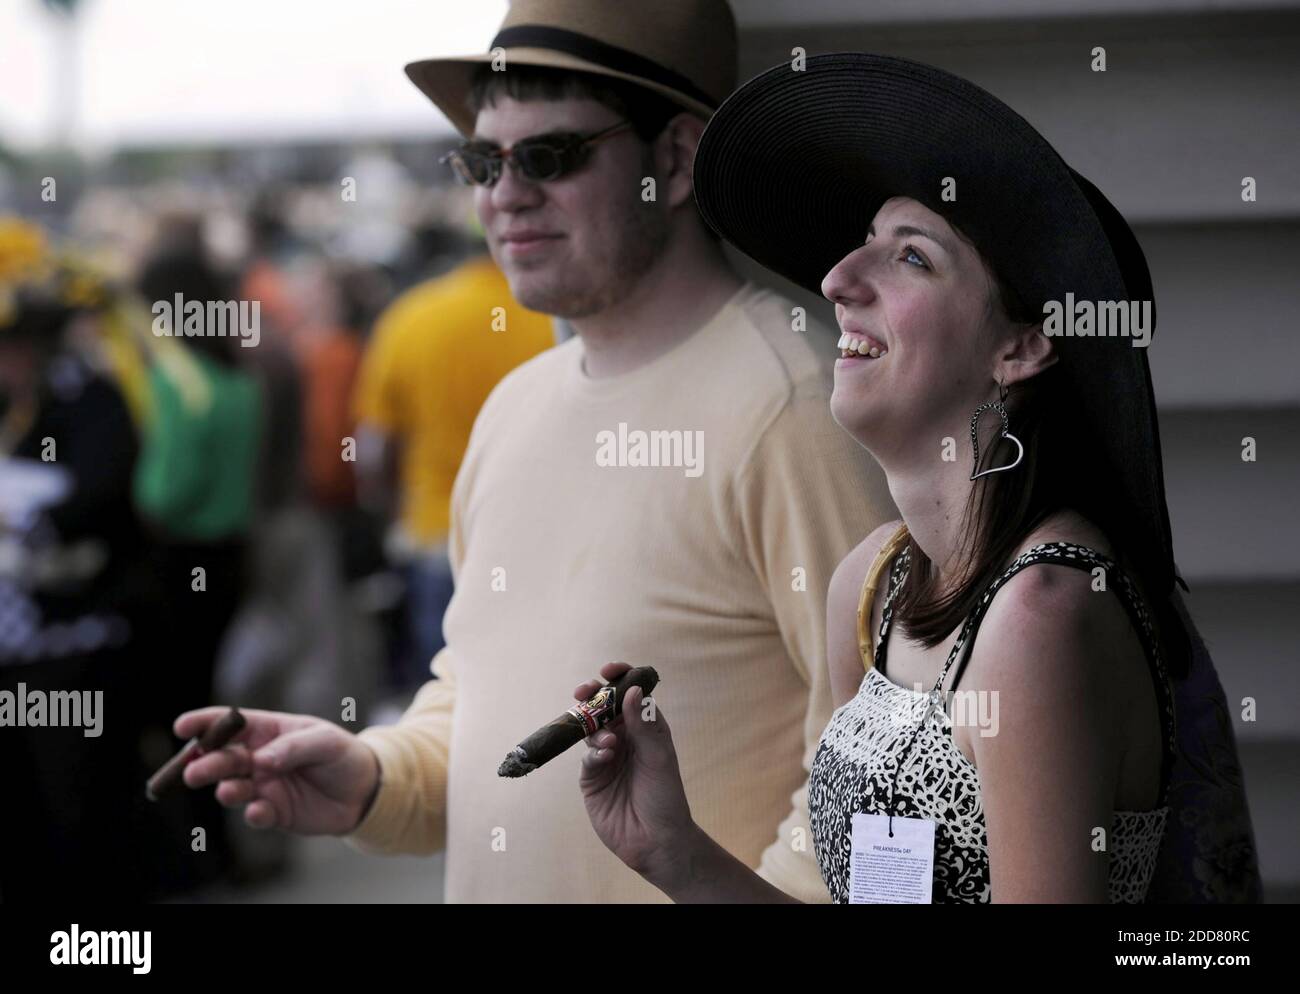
(1081, 557)
(868, 596)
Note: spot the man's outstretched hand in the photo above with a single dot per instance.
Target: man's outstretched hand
(289, 771)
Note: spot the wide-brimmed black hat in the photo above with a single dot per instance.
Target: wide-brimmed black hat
(793, 166)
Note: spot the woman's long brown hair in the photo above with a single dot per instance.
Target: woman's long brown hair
(1063, 467)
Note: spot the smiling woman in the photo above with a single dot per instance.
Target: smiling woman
(942, 309)
(1051, 538)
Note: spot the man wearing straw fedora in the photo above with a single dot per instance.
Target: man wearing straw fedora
(667, 486)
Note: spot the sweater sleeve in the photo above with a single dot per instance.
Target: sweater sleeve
(807, 495)
(409, 814)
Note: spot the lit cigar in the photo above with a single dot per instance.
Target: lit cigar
(218, 734)
(576, 724)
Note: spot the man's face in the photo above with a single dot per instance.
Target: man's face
(573, 246)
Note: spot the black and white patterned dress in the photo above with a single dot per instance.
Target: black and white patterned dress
(857, 765)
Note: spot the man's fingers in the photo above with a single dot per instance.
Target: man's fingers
(260, 814)
(584, 691)
(297, 749)
(612, 671)
(193, 723)
(236, 793)
(225, 764)
(265, 724)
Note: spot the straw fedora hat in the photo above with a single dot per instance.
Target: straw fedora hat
(684, 50)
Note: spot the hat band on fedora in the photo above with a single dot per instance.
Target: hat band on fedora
(599, 52)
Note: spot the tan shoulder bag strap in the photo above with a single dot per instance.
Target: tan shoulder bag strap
(884, 557)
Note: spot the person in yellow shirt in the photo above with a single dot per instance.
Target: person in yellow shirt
(434, 356)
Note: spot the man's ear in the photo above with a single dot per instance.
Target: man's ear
(675, 157)
(1026, 353)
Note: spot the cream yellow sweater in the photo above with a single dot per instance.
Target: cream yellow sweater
(569, 554)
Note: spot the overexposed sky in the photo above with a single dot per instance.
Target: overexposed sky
(228, 70)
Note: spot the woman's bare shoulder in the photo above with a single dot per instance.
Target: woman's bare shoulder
(1059, 606)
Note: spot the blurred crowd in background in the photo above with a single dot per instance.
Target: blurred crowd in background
(196, 520)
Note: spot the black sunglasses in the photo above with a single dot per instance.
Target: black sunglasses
(541, 158)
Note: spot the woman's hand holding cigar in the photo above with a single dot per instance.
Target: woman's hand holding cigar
(293, 772)
(632, 785)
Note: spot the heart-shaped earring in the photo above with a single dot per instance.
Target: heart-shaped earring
(995, 405)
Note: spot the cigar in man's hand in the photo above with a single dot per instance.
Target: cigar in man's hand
(217, 735)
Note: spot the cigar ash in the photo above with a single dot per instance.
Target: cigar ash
(515, 765)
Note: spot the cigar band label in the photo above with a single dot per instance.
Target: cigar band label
(597, 712)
